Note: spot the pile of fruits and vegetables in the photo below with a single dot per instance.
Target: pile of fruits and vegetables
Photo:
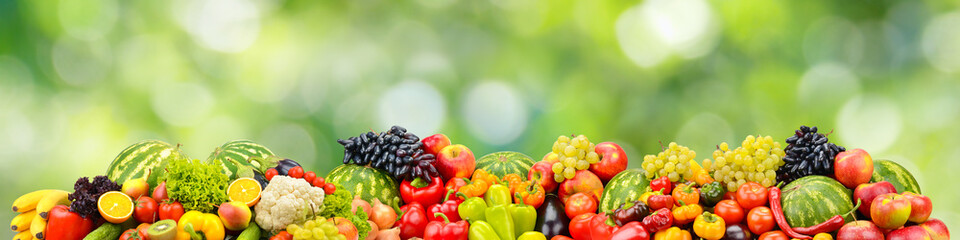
(395, 185)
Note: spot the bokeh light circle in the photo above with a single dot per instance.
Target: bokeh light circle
(870, 122)
(494, 112)
(81, 63)
(833, 39)
(826, 84)
(654, 30)
(415, 105)
(221, 25)
(940, 42)
(181, 103)
(88, 19)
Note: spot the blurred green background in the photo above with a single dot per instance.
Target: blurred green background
(81, 80)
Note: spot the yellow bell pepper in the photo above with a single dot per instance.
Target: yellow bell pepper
(194, 222)
(822, 236)
(709, 226)
(673, 233)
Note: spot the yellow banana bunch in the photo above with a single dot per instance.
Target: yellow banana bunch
(34, 209)
(22, 222)
(51, 199)
(23, 236)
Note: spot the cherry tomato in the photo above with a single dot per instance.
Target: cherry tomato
(171, 210)
(270, 173)
(318, 182)
(295, 172)
(730, 211)
(760, 220)
(145, 210)
(132, 234)
(309, 176)
(774, 235)
(580, 203)
(329, 188)
(751, 195)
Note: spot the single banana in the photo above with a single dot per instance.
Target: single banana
(22, 222)
(23, 236)
(29, 201)
(38, 227)
(52, 198)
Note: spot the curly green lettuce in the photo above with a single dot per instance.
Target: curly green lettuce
(338, 205)
(197, 185)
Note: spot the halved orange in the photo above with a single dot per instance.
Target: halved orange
(115, 207)
(245, 190)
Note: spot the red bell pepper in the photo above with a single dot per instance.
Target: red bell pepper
(446, 230)
(580, 226)
(62, 224)
(661, 184)
(660, 201)
(448, 207)
(658, 221)
(455, 184)
(413, 221)
(631, 231)
(422, 192)
(601, 228)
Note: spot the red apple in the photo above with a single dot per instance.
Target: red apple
(868, 191)
(544, 171)
(455, 161)
(583, 181)
(863, 230)
(612, 161)
(346, 228)
(920, 207)
(890, 211)
(853, 167)
(434, 143)
(936, 229)
(909, 233)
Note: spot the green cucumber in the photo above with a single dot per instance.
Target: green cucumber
(105, 231)
(251, 233)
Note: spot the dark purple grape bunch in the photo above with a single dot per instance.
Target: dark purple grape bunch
(396, 151)
(807, 153)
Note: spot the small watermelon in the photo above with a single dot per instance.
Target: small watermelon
(813, 199)
(367, 182)
(626, 186)
(503, 163)
(139, 159)
(237, 153)
(902, 180)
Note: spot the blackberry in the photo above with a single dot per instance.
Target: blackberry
(807, 153)
(395, 151)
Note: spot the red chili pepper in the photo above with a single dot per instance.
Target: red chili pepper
(422, 192)
(601, 228)
(631, 231)
(413, 221)
(659, 220)
(446, 230)
(660, 201)
(62, 224)
(661, 184)
(448, 207)
(832, 224)
(778, 215)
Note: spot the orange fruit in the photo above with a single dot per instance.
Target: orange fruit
(245, 190)
(115, 207)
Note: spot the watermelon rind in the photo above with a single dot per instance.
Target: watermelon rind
(237, 153)
(142, 158)
(626, 186)
(890, 171)
(814, 199)
(502, 163)
(367, 182)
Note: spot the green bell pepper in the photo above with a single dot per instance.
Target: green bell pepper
(532, 235)
(499, 217)
(472, 209)
(524, 217)
(711, 193)
(480, 230)
(497, 194)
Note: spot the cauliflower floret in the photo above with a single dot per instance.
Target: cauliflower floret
(285, 201)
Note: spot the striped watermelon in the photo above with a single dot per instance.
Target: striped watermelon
(367, 182)
(813, 199)
(503, 163)
(626, 186)
(237, 153)
(886, 170)
(139, 159)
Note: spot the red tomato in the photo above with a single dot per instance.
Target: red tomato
(580, 203)
(283, 235)
(142, 228)
(319, 182)
(775, 235)
(295, 172)
(760, 220)
(309, 176)
(580, 226)
(171, 210)
(145, 210)
(751, 195)
(329, 188)
(730, 211)
(270, 173)
(561, 237)
(132, 234)
(730, 195)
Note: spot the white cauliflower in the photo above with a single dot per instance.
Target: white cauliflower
(285, 201)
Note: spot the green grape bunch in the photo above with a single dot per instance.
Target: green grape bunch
(319, 229)
(673, 162)
(756, 160)
(573, 154)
